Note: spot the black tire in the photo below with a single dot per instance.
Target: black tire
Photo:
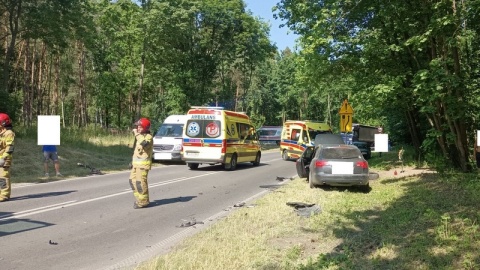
(232, 165)
(285, 155)
(257, 159)
(193, 166)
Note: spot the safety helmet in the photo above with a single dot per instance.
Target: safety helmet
(144, 123)
(5, 120)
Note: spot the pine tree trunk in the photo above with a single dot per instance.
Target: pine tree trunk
(14, 12)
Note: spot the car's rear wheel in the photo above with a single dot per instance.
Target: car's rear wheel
(232, 165)
(285, 155)
(257, 159)
(310, 182)
(192, 166)
(365, 188)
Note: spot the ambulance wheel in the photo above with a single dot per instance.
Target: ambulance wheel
(285, 155)
(232, 165)
(192, 166)
(257, 159)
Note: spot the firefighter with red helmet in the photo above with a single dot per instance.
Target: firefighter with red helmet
(141, 162)
(7, 137)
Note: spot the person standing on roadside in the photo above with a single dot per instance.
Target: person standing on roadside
(141, 163)
(380, 131)
(7, 137)
(400, 157)
(50, 153)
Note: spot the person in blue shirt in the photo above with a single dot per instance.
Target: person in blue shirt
(50, 153)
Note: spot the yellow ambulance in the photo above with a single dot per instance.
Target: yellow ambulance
(214, 135)
(297, 135)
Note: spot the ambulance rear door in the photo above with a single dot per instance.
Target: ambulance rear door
(203, 138)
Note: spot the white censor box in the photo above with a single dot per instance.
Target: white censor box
(381, 143)
(48, 130)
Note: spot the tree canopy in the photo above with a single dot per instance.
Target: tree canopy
(411, 67)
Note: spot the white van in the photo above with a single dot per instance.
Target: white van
(167, 142)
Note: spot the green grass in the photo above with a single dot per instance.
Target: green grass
(422, 222)
(94, 147)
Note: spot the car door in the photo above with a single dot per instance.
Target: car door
(303, 163)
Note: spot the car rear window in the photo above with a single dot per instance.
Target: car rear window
(340, 153)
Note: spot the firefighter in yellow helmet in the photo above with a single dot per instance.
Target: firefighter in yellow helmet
(7, 137)
(141, 162)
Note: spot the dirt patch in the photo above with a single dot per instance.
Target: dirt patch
(406, 172)
(309, 244)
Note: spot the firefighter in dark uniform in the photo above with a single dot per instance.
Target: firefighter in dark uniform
(7, 137)
(141, 162)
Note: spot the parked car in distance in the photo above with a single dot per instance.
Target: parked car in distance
(270, 134)
(364, 148)
(167, 142)
(334, 165)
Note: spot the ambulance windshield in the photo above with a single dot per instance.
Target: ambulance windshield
(170, 130)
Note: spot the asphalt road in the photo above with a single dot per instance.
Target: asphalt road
(90, 223)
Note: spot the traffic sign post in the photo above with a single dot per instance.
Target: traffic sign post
(346, 117)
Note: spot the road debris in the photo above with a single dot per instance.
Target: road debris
(240, 204)
(298, 205)
(92, 169)
(305, 209)
(282, 178)
(189, 223)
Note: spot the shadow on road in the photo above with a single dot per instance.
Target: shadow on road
(219, 167)
(171, 200)
(42, 195)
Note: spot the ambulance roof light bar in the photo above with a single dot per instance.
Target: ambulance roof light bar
(315, 121)
(210, 108)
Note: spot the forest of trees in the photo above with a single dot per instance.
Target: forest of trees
(410, 66)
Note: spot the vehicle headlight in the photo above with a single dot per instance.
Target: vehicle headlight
(177, 147)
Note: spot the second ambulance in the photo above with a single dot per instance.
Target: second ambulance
(296, 135)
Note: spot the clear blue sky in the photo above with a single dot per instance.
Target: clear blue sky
(282, 37)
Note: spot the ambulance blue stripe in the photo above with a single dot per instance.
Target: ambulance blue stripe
(211, 141)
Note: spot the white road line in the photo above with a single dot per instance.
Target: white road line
(35, 210)
(73, 203)
(22, 185)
